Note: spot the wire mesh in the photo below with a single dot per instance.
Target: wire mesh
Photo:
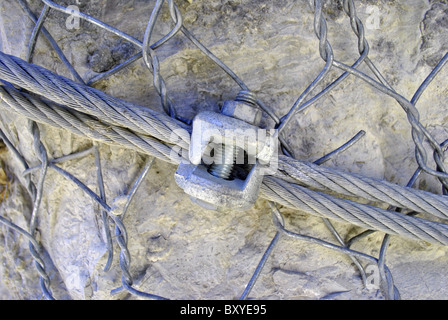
(149, 51)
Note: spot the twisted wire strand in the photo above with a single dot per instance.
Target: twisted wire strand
(329, 180)
(151, 60)
(279, 192)
(91, 101)
(36, 196)
(279, 223)
(326, 53)
(78, 123)
(438, 152)
(51, 40)
(122, 239)
(41, 154)
(38, 261)
(418, 131)
(120, 230)
(104, 217)
(322, 49)
(356, 24)
(300, 105)
(369, 217)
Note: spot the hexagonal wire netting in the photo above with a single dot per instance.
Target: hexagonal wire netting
(131, 50)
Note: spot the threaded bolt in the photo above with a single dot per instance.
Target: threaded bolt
(224, 161)
(226, 157)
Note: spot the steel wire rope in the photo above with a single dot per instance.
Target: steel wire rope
(296, 171)
(176, 16)
(346, 71)
(276, 238)
(92, 101)
(52, 42)
(281, 187)
(362, 46)
(104, 217)
(81, 124)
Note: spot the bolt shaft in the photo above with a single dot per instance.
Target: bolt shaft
(224, 157)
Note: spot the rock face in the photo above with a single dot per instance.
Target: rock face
(179, 250)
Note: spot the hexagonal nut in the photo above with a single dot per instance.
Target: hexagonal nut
(242, 111)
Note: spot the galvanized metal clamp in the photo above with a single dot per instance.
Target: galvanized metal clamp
(228, 153)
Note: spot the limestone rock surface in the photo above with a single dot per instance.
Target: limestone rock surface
(180, 250)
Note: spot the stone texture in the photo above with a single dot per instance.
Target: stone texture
(182, 251)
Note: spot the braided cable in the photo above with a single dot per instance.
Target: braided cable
(324, 178)
(335, 181)
(305, 173)
(369, 217)
(81, 124)
(90, 100)
(113, 121)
